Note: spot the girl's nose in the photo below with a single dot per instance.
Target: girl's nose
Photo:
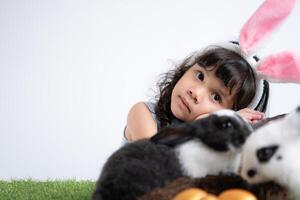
(195, 94)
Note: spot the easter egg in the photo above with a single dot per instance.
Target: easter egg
(191, 194)
(210, 197)
(237, 194)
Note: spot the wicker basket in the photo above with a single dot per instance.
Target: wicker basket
(215, 185)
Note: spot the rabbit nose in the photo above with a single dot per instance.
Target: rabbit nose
(251, 173)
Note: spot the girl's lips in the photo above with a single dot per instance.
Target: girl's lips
(185, 103)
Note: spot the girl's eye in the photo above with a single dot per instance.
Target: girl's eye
(200, 75)
(216, 97)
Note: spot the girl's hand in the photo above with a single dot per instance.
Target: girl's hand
(250, 115)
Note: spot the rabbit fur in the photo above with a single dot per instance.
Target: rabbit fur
(195, 149)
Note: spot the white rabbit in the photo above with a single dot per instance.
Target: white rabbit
(271, 154)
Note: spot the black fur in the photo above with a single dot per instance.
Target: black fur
(266, 153)
(135, 169)
(221, 132)
(217, 132)
(140, 166)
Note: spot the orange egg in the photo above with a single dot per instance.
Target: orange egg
(191, 194)
(210, 197)
(237, 194)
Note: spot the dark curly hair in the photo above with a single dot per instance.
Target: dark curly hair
(235, 72)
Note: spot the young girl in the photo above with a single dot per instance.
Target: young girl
(221, 77)
(217, 78)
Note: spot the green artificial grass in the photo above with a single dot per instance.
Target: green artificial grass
(46, 190)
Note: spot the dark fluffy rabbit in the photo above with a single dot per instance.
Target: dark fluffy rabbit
(206, 146)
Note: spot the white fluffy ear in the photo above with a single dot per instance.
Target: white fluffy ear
(281, 67)
(263, 22)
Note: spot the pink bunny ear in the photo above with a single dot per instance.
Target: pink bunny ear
(266, 18)
(282, 67)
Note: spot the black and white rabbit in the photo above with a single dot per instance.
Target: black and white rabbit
(195, 149)
(271, 154)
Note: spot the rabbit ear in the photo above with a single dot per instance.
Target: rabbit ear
(174, 135)
(281, 67)
(262, 23)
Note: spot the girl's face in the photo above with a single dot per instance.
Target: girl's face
(198, 93)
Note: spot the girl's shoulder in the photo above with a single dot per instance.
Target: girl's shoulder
(141, 122)
(144, 108)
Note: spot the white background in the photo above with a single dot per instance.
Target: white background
(71, 70)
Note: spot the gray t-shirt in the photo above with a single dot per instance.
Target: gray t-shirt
(151, 106)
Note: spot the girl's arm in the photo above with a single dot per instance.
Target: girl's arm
(140, 123)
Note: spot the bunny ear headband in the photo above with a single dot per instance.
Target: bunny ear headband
(280, 67)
